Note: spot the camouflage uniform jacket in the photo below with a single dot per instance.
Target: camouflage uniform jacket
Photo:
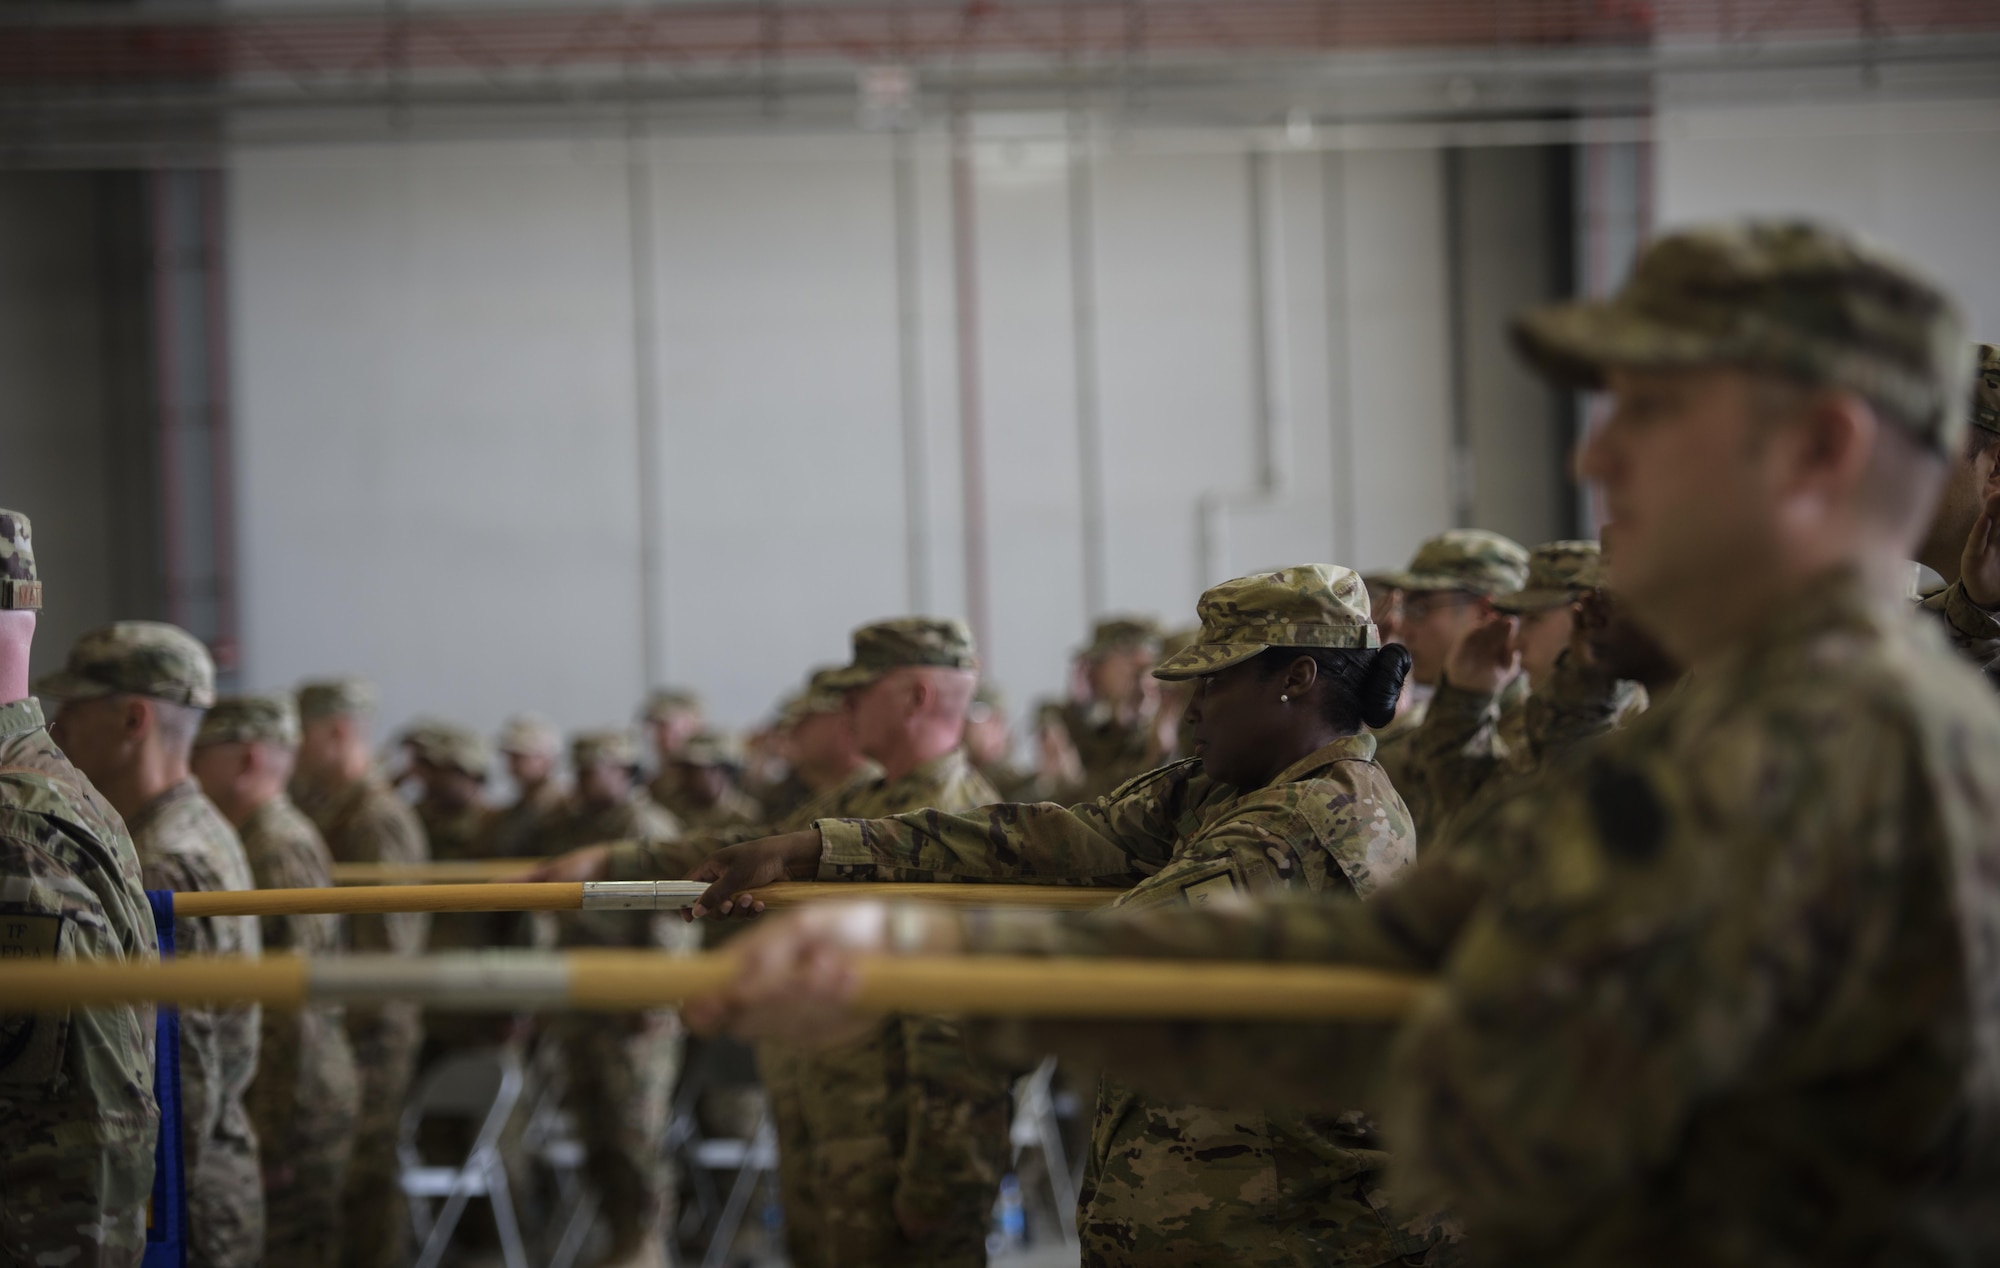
(185, 844)
(1177, 1182)
(517, 830)
(1460, 748)
(306, 1086)
(667, 792)
(671, 858)
(1973, 630)
(460, 834)
(1111, 751)
(942, 1094)
(636, 819)
(76, 1092)
(366, 822)
(736, 810)
(1726, 992)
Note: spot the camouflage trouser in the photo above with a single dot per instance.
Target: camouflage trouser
(1178, 1184)
(375, 1229)
(305, 1133)
(854, 1103)
(225, 1196)
(303, 1214)
(622, 1069)
(805, 1239)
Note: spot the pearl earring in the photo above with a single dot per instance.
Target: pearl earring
(1284, 699)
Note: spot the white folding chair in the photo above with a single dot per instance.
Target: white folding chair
(479, 1086)
(1035, 1126)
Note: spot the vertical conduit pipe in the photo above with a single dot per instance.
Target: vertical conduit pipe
(972, 451)
(1083, 333)
(1462, 475)
(1269, 412)
(166, 389)
(910, 364)
(646, 407)
(222, 465)
(1339, 360)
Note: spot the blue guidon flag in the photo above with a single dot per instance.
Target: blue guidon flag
(166, 1214)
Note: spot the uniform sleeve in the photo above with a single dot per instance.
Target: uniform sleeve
(1577, 706)
(1114, 841)
(670, 859)
(1329, 1067)
(1452, 755)
(1973, 630)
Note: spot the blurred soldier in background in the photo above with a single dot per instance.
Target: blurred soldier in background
(77, 1114)
(305, 1102)
(364, 821)
(1109, 724)
(819, 744)
(1448, 588)
(706, 773)
(671, 717)
(1963, 544)
(531, 747)
(622, 1066)
(989, 743)
(132, 696)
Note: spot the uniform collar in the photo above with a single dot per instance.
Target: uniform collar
(21, 717)
(161, 804)
(1348, 748)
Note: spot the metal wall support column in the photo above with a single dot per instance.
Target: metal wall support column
(971, 421)
(1083, 333)
(1463, 476)
(910, 367)
(646, 407)
(1339, 360)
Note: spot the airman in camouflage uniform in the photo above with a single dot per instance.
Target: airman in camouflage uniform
(1467, 739)
(672, 716)
(1969, 603)
(890, 1149)
(1171, 1182)
(305, 1102)
(531, 747)
(707, 769)
(76, 1091)
(1450, 584)
(1112, 731)
(363, 821)
(622, 1066)
(816, 736)
(989, 743)
(451, 765)
(184, 845)
(1727, 990)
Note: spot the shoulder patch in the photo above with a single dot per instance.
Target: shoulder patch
(31, 1044)
(1631, 823)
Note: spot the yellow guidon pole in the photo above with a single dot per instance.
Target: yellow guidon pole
(612, 896)
(620, 980)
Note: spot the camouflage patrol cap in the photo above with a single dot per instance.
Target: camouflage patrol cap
(1313, 605)
(989, 696)
(529, 733)
(1790, 297)
(711, 748)
(20, 584)
(663, 702)
(1469, 559)
(588, 749)
(138, 658)
(451, 747)
(335, 698)
(907, 640)
(823, 694)
(1558, 573)
(1177, 641)
(1122, 634)
(266, 718)
(1985, 390)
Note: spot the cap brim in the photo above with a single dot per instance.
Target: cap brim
(1522, 601)
(65, 685)
(1574, 344)
(849, 677)
(1418, 582)
(1203, 659)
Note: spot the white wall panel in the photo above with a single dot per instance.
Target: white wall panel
(1923, 178)
(434, 402)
